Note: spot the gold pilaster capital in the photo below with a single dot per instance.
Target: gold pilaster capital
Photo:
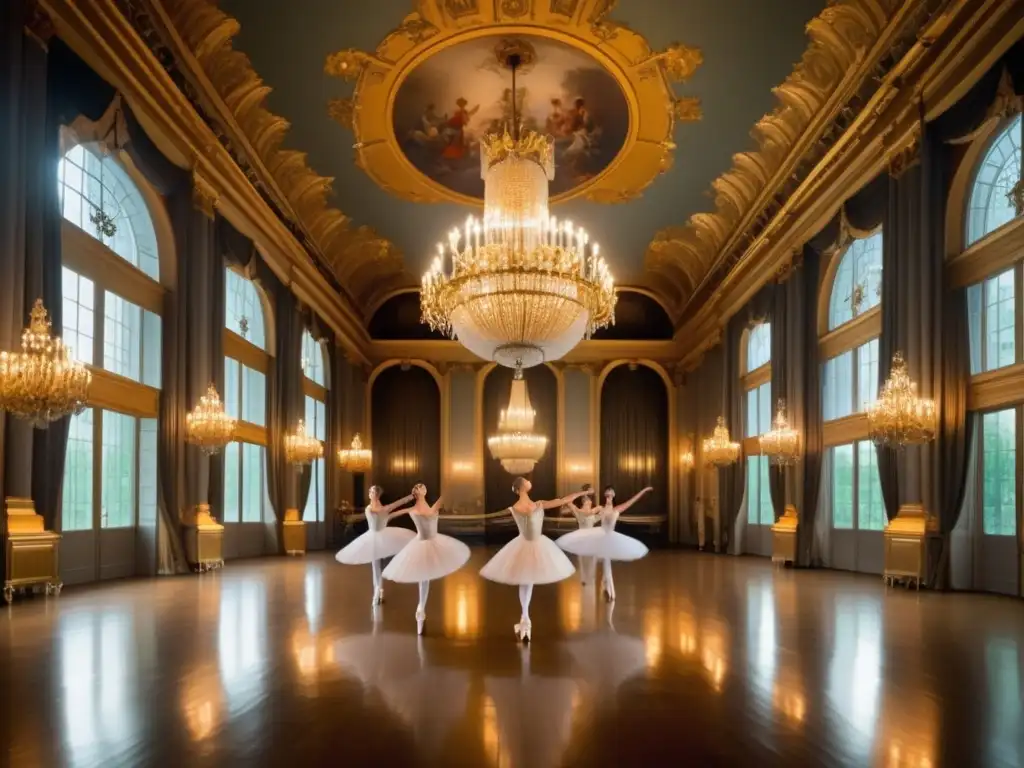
(204, 197)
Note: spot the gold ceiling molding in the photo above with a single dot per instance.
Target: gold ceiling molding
(840, 38)
(644, 76)
(208, 32)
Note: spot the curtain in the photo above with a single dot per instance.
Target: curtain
(405, 431)
(782, 315)
(634, 437)
(542, 387)
(732, 479)
(320, 333)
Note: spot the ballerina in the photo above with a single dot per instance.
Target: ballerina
(379, 542)
(586, 516)
(531, 557)
(431, 555)
(605, 542)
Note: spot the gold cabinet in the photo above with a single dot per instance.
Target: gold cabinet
(784, 536)
(906, 539)
(293, 533)
(204, 540)
(32, 552)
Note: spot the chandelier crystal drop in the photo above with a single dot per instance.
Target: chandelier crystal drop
(300, 448)
(42, 383)
(208, 426)
(515, 444)
(719, 450)
(899, 417)
(356, 459)
(519, 287)
(782, 443)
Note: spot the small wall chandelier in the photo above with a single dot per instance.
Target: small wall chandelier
(42, 383)
(519, 287)
(356, 459)
(686, 460)
(719, 450)
(782, 443)
(899, 417)
(208, 426)
(514, 444)
(301, 449)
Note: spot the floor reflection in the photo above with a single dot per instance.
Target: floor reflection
(241, 642)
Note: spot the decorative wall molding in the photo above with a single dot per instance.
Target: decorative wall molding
(586, 353)
(996, 389)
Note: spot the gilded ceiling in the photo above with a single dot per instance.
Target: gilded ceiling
(708, 106)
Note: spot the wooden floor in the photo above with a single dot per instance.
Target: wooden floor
(707, 661)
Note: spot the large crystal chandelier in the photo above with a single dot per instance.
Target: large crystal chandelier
(300, 448)
(719, 450)
(515, 445)
(782, 443)
(208, 426)
(520, 287)
(42, 383)
(356, 459)
(899, 417)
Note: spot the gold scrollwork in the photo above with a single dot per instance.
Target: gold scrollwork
(342, 111)
(688, 110)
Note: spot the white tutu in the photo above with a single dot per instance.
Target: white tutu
(523, 561)
(375, 545)
(427, 559)
(602, 543)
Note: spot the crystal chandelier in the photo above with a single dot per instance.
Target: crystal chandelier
(719, 450)
(42, 383)
(356, 459)
(520, 287)
(782, 443)
(899, 417)
(208, 426)
(515, 445)
(300, 448)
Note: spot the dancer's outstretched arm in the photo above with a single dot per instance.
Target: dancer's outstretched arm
(436, 505)
(391, 507)
(564, 500)
(627, 504)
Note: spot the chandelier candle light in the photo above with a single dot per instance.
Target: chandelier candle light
(301, 449)
(719, 450)
(208, 426)
(356, 459)
(518, 287)
(515, 445)
(42, 383)
(782, 443)
(899, 417)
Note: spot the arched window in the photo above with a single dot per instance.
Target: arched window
(757, 420)
(314, 365)
(246, 363)
(990, 204)
(858, 282)
(111, 321)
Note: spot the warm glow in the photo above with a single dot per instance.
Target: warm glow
(686, 460)
(790, 703)
(405, 464)
(719, 450)
(42, 383)
(580, 468)
(356, 459)
(632, 462)
(654, 627)
(209, 426)
(461, 605)
(515, 444)
(782, 443)
(687, 635)
(899, 417)
(712, 656)
(300, 448)
(570, 605)
(463, 467)
(201, 702)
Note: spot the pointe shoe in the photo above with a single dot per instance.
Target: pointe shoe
(421, 618)
(523, 630)
(379, 597)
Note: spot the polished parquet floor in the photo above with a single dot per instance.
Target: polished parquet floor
(705, 661)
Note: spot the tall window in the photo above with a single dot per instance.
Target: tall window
(999, 473)
(856, 489)
(314, 363)
(990, 205)
(992, 306)
(245, 398)
(312, 359)
(758, 420)
(858, 282)
(850, 381)
(112, 323)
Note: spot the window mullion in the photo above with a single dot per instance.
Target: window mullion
(97, 473)
(1018, 308)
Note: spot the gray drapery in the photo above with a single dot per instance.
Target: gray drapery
(321, 334)
(782, 316)
(731, 478)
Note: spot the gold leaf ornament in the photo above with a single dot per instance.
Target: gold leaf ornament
(348, 64)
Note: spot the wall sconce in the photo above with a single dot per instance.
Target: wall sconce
(631, 462)
(405, 464)
(686, 460)
(579, 468)
(463, 467)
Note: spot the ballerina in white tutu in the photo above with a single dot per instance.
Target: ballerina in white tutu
(605, 542)
(531, 557)
(379, 542)
(431, 555)
(586, 516)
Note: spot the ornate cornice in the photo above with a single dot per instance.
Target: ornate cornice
(299, 192)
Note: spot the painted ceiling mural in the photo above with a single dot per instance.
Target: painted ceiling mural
(691, 117)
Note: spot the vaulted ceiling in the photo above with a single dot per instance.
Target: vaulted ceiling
(384, 238)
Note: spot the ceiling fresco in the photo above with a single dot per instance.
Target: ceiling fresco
(709, 68)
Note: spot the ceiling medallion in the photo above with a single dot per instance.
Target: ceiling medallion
(432, 89)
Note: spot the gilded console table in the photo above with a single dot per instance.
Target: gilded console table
(905, 546)
(293, 533)
(204, 541)
(784, 537)
(32, 552)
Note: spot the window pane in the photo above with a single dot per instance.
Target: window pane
(837, 395)
(753, 490)
(232, 388)
(79, 315)
(254, 396)
(990, 206)
(857, 286)
(765, 413)
(752, 420)
(232, 482)
(151, 349)
(767, 510)
(252, 483)
(76, 496)
(122, 337)
(999, 321)
(759, 346)
(148, 490)
(312, 359)
(870, 507)
(244, 310)
(974, 323)
(999, 473)
(867, 375)
(117, 494)
(316, 426)
(842, 486)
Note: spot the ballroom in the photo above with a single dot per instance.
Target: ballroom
(519, 383)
